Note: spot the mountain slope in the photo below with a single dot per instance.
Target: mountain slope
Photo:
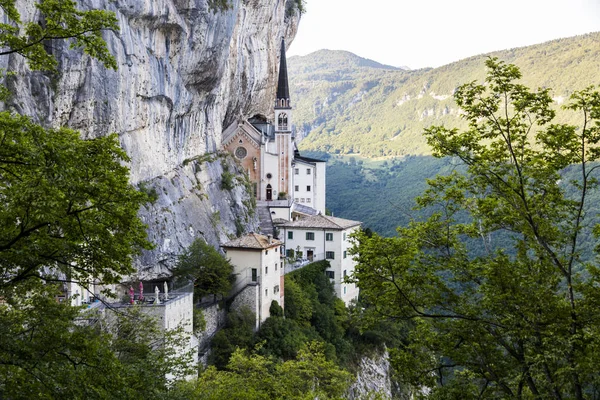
(349, 105)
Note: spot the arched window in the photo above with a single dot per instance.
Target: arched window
(282, 122)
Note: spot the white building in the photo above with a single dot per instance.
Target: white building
(259, 273)
(323, 237)
(309, 182)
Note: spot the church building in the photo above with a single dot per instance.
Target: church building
(268, 152)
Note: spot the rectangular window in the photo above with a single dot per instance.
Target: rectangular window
(275, 266)
(255, 189)
(308, 200)
(345, 254)
(296, 188)
(344, 289)
(276, 289)
(330, 274)
(330, 255)
(302, 200)
(290, 234)
(296, 200)
(329, 237)
(266, 270)
(307, 171)
(289, 253)
(254, 274)
(310, 236)
(344, 235)
(345, 274)
(296, 171)
(266, 292)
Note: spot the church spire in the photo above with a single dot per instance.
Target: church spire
(283, 90)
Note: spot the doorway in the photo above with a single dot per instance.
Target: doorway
(269, 192)
(309, 254)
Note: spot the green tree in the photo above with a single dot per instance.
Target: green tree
(68, 214)
(210, 271)
(252, 376)
(58, 20)
(515, 322)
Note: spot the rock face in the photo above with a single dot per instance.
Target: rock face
(184, 72)
(373, 378)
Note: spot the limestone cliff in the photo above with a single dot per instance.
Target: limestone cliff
(184, 72)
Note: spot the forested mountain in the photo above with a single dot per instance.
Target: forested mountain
(349, 105)
(358, 110)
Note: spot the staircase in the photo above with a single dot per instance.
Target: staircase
(264, 216)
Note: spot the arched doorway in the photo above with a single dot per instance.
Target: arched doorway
(269, 192)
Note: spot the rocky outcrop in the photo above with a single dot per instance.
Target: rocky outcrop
(373, 378)
(184, 72)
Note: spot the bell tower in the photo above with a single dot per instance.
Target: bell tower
(283, 126)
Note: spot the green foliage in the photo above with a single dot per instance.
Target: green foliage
(45, 355)
(199, 322)
(238, 333)
(227, 179)
(59, 20)
(219, 5)
(350, 105)
(293, 5)
(520, 321)
(210, 271)
(151, 193)
(67, 205)
(253, 376)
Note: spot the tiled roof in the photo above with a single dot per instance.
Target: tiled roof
(322, 221)
(302, 209)
(253, 241)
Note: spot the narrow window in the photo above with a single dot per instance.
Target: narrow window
(254, 274)
(345, 254)
(290, 234)
(308, 188)
(296, 171)
(329, 237)
(266, 270)
(307, 171)
(296, 188)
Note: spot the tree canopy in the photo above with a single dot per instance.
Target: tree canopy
(210, 271)
(69, 214)
(518, 321)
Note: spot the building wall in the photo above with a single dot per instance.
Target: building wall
(248, 297)
(320, 187)
(320, 246)
(270, 166)
(251, 162)
(304, 177)
(269, 270)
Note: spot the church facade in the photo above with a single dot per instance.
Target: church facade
(267, 151)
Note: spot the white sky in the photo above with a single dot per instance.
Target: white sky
(431, 33)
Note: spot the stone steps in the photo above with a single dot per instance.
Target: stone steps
(264, 216)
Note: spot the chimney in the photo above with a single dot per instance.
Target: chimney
(270, 238)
